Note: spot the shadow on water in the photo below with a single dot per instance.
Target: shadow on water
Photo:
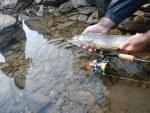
(53, 82)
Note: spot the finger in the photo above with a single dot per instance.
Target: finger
(90, 50)
(123, 46)
(85, 31)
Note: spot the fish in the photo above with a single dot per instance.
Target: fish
(99, 40)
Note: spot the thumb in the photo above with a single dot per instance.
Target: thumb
(123, 46)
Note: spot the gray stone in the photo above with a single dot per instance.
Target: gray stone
(79, 3)
(126, 68)
(93, 18)
(8, 3)
(86, 10)
(83, 18)
(6, 21)
(37, 1)
(74, 17)
(53, 2)
(84, 97)
(66, 7)
(40, 11)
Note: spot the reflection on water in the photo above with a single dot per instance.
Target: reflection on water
(52, 83)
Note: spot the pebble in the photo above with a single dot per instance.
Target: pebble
(79, 3)
(82, 18)
(86, 10)
(6, 21)
(66, 7)
(40, 11)
(37, 1)
(84, 97)
(93, 18)
(8, 3)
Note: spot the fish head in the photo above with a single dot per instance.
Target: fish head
(80, 40)
(76, 40)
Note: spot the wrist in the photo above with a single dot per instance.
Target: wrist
(107, 23)
(148, 36)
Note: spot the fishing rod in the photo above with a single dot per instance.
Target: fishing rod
(99, 65)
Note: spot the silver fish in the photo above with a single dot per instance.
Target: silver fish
(100, 41)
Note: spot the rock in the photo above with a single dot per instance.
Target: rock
(93, 18)
(40, 11)
(124, 68)
(66, 24)
(79, 3)
(83, 18)
(6, 21)
(74, 17)
(95, 109)
(134, 25)
(37, 1)
(2, 58)
(66, 7)
(53, 2)
(84, 97)
(8, 3)
(86, 10)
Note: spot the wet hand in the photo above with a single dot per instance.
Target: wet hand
(97, 28)
(137, 43)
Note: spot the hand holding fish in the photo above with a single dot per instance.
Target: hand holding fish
(137, 43)
(103, 26)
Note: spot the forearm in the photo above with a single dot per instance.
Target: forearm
(118, 10)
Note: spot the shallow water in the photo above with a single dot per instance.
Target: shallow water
(52, 84)
(43, 77)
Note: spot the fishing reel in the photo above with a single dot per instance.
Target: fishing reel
(99, 65)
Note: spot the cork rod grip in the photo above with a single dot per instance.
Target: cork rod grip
(126, 57)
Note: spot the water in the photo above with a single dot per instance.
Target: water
(42, 77)
(52, 83)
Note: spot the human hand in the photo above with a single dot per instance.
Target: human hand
(103, 26)
(97, 28)
(137, 43)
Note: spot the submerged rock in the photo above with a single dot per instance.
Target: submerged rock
(8, 3)
(6, 21)
(78, 3)
(83, 18)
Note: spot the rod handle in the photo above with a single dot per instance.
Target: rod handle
(126, 57)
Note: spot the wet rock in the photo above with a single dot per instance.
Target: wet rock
(93, 18)
(84, 97)
(86, 10)
(79, 3)
(137, 24)
(40, 11)
(8, 3)
(83, 18)
(53, 2)
(66, 24)
(37, 1)
(126, 68)
(66, 7)
(2, 66)
(74, 17)
(6, 21)
(95, 109)
(20, 82)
